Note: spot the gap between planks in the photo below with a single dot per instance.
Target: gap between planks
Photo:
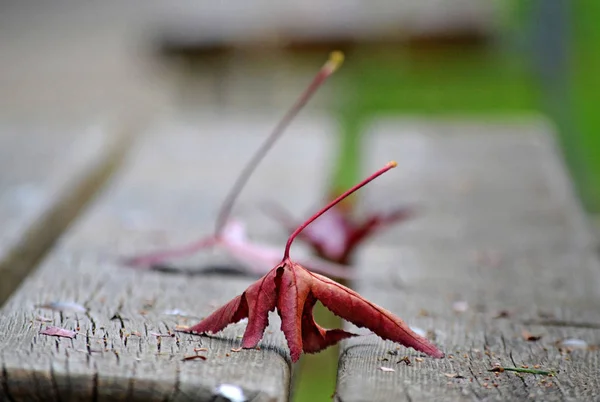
(87, 157)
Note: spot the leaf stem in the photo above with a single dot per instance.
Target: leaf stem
(335, 60)
(286, 254)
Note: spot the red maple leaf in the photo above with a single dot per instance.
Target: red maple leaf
(230, 234)
(293, 291)
(337, 235)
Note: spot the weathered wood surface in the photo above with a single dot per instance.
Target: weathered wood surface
(47, 173)
(499, 229)
(167, 193)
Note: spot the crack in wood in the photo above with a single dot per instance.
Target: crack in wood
(562, 323)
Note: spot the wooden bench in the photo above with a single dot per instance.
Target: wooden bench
(500, 246)
(166, 193)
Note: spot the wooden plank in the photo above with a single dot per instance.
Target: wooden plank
(500, 232)
(47, 173)
(167, 193)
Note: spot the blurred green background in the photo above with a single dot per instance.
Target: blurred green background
(522, 70)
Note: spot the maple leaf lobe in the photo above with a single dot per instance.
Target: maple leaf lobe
(314, 337)
(351, 306)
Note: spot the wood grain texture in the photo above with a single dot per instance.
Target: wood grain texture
(500, 231)
(47, 173)
(166, 194)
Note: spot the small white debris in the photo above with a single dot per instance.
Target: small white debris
(177, 312)
(573, 343)
(460, 306)
(419, 331)
(64, 306)
(386, 369)
(232, 392)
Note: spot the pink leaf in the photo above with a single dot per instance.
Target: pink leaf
(336, 236)
(257, 258)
